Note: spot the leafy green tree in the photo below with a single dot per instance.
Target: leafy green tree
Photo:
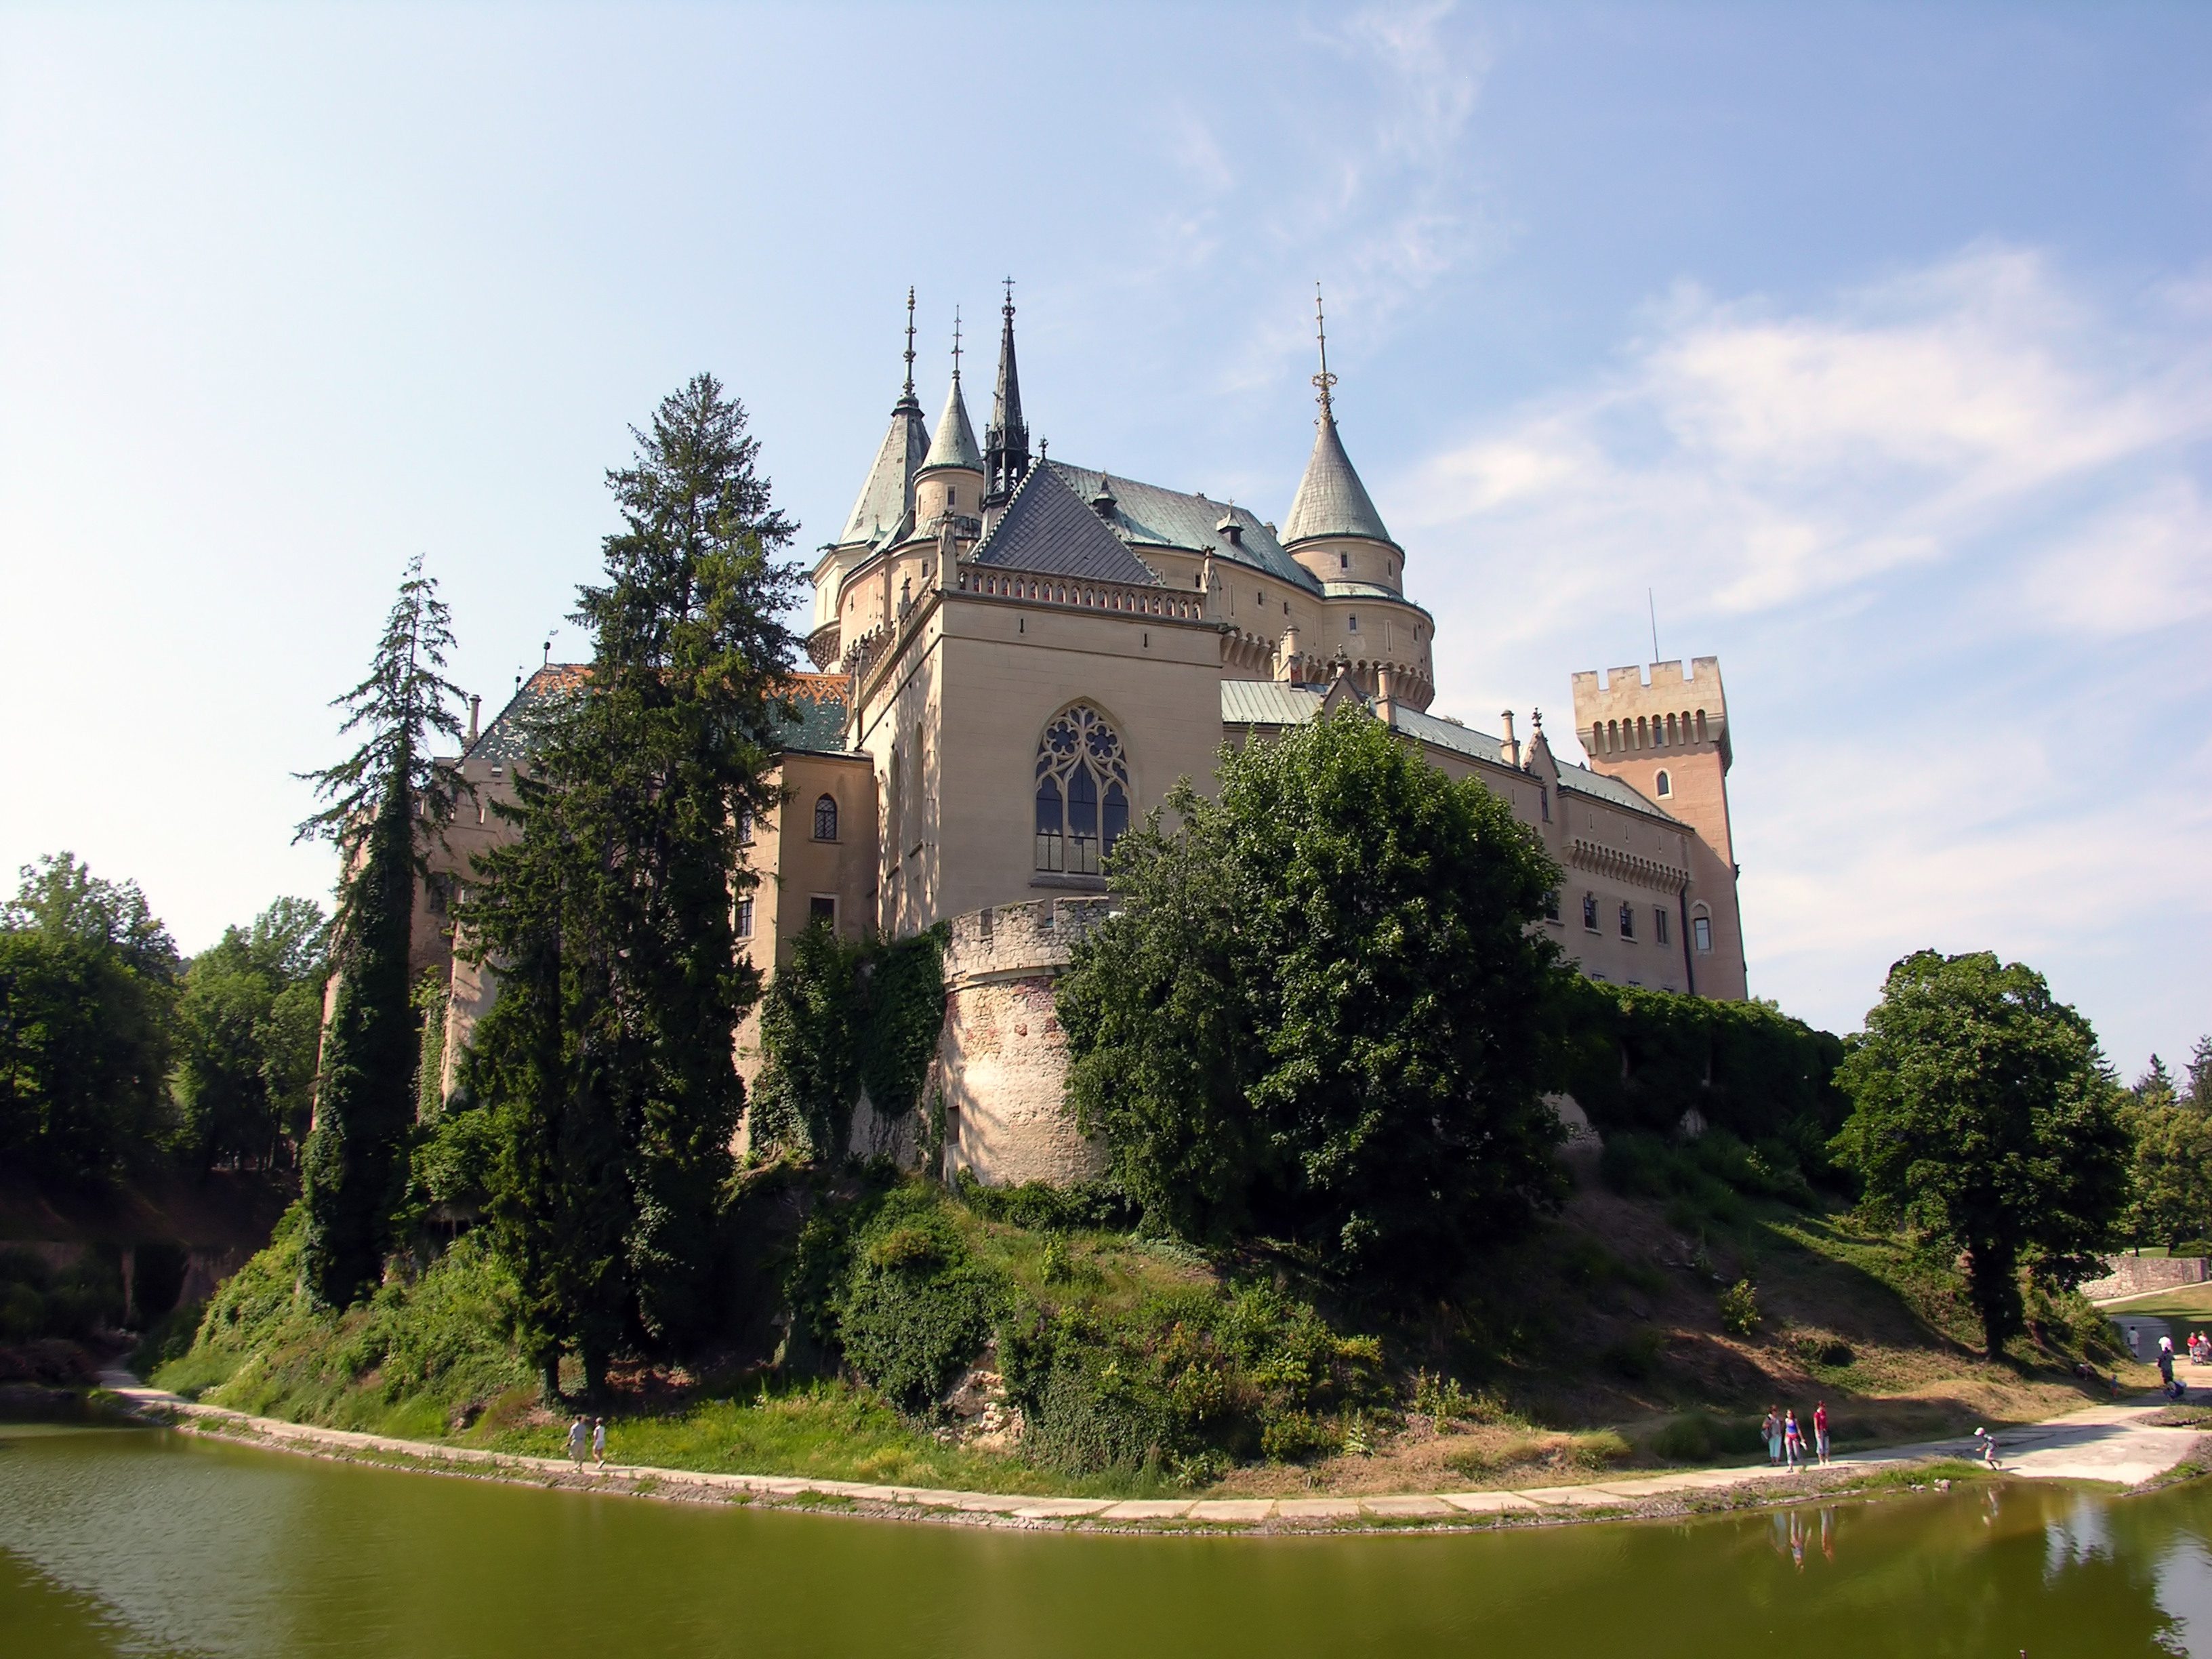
(87, 980)
(2172, 1191)
(1982, 1111)
(2199, 1095)
(386, 804)
(1319, 1014)
(247, 1026)
(609, 919)
(2154, 1088)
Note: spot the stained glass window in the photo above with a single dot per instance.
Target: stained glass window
(1082, 792)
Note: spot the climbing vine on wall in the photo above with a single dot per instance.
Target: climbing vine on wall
(839, 1017)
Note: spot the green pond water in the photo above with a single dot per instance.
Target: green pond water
(142, 1541)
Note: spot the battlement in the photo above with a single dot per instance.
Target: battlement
(1673, 709)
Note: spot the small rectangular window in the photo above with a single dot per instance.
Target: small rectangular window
(1544, 799)
(822, 907)
(1551, 905)
(745, 917)
(745, 829)
(1589, 911)
(1701, 930)
(1627, 920)
(1659, 924)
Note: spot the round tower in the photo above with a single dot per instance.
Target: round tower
(1333, 529)
(949, 484)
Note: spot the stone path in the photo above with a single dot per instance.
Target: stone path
(2113, 1443)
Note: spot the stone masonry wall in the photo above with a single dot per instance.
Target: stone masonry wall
(2131, 1275)
(1003, 1058)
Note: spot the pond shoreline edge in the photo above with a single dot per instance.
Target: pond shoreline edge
(2080, 1446)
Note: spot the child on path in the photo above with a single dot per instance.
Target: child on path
(1772, 1428)
(599, 1441)
(1821, 1430)
(1988, 1447)
(577, 1434)
(1793, 1439)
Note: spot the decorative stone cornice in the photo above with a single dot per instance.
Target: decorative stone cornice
(1626, 866)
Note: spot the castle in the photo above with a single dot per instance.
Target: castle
(1017, 658)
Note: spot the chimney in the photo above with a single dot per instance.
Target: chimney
(1385, 694)
(1512, 744)
(476, 708)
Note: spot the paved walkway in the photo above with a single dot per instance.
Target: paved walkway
(2113, 1443)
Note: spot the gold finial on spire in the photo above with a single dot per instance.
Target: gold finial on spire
(1324, 380)
(909, 342)
(956, 343)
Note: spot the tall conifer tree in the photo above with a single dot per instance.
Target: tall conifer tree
(386, 805)
(608, 921)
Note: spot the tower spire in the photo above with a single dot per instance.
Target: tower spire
(956, 345)
(1006, 440)
(1324, 380)
(908, 395)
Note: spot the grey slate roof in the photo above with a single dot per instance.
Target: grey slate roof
(887, 496)
(1145, 515)
(1583, 782)
(1269, 703)
(1331, 500)
(1266, 702)
(1048, 529)
(816, 722)
(955, 442)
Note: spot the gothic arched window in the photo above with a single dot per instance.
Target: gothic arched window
(1666, 784)
(825, 819)
(1082, 792)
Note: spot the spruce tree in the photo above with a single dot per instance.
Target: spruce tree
(386, 804)
(608, 921)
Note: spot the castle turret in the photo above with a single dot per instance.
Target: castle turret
(884, 506)
(1006, 440)
(1333, 529)
(950, 485)
(1668, 739)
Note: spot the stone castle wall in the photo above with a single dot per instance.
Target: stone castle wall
(2131, 1275)
(1003, 1059)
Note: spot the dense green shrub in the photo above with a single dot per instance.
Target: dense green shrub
(1639, 1060)
(1041, 1207)
(76, 1301)
(1711, 1173)
(915, 1306)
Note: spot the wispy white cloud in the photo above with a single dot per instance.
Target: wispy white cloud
(1950, 534)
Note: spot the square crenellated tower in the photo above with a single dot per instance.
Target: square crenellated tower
(1667, 736)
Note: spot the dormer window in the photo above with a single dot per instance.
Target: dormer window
(1665, 786)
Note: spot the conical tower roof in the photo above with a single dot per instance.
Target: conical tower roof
(955, 442)
(887, 496)
(1331, 500)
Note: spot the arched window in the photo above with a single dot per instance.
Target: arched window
(1082, 792)
(825, 819)
(1666, 784)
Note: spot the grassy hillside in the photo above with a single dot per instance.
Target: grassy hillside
(1104, 1361)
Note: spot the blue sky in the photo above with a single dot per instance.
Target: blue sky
(1876, 341)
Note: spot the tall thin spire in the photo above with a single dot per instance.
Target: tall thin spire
(1006, 440)
(1324, 380)
(908, 395)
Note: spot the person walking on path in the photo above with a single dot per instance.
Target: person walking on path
(1772, 1428)
(578, 1432)
(599, 1443)
(2166, 1368)
(1793, 1439)
(1989, 1448)
(1821, 1431)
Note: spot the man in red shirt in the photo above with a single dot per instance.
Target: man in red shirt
(1821, 1430)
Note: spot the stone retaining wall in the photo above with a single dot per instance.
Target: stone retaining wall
(2132, 1275)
